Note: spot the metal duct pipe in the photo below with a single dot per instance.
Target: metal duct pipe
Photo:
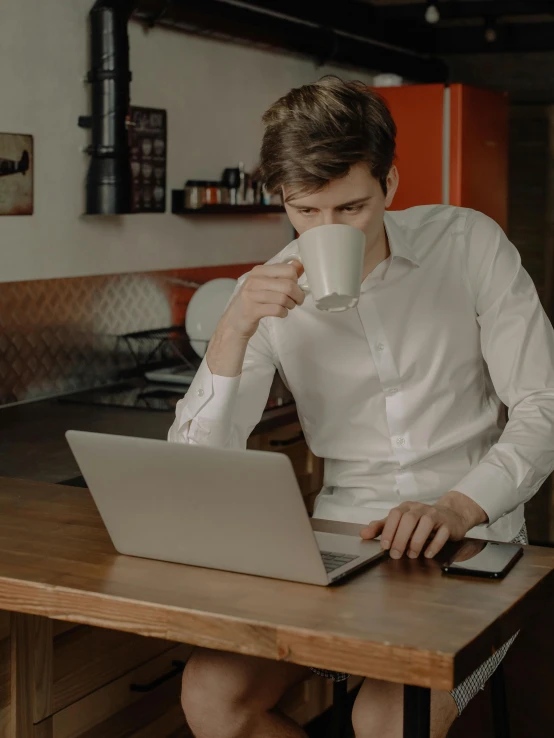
(108, 185)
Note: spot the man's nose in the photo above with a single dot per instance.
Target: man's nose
(330, 217)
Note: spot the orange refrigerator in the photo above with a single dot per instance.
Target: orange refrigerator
(452, 147)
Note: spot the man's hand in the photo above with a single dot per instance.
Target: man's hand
(268, 291)
(409, 527)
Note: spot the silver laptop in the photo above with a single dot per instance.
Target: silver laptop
(240, 511)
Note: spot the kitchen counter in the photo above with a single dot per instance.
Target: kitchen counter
(33, 445)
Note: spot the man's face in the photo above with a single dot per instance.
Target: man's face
(355, 200)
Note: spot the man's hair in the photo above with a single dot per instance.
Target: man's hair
(315, 133)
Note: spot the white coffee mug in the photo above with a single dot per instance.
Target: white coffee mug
(333, 260)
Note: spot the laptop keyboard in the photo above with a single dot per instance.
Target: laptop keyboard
(333, 560)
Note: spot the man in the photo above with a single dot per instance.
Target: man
(402, 396)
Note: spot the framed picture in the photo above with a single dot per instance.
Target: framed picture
(16, 174)
(148, 147)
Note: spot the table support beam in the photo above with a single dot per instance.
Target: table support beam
(417, 712)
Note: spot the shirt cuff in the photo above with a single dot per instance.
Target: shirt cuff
(222, 401)
(210, 398)
(491, 489)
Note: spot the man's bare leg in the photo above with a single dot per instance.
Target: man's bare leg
(228, 695)
(379, 711)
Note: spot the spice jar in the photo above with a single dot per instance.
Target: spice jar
(195, 194)
(213, 193)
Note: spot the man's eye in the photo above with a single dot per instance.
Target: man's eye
(307, 211)
(353, 209)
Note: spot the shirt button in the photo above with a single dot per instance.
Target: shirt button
(380, 346)
(400, 441)
(200, 392)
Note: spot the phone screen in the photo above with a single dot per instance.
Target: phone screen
(484, 557)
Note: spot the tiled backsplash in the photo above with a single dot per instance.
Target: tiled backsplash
(60, 335)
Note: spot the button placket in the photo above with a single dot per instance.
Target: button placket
(406, 484)
(388, 378)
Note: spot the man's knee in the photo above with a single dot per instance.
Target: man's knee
(225, 695)
(214, 706)
(377, 710)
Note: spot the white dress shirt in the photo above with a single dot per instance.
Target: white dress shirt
(403, 395)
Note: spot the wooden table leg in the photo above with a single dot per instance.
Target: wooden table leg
(30, 674)
(417, 712)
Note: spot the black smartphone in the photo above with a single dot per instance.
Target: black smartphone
(483, 559)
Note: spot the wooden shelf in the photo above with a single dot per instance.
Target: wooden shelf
(178, 208)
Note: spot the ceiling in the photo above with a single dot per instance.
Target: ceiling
(464, 26)
(467, 26)
(387, 35)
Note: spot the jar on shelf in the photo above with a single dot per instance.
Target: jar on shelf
(213, 193)
(224, 195)
(195, 194)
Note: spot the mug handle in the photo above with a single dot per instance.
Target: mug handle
(288, 260)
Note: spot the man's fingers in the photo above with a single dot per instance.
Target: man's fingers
(419, 538)
(279, 285)
(389, 530)
(298, 266)
(404, 531)
(373, 529)
(288, 271)
(269, 297)
(441, 537)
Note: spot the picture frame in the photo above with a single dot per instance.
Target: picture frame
(16, 174)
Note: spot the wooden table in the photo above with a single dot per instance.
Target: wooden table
(400, 621)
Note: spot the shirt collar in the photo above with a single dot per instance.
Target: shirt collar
(398, 243)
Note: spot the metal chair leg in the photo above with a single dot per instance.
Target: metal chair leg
(339, 716)
(417, 712)
(500, 716)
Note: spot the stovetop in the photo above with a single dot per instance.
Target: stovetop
(150, 396)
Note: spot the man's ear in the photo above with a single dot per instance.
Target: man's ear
(392, 185)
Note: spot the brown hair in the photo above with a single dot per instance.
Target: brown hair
(315, 134)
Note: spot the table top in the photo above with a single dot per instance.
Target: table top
(401, 621)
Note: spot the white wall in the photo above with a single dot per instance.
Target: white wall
(214, 93)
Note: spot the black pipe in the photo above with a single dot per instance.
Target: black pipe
(108, 183)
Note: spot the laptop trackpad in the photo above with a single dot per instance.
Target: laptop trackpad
(353, 545)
